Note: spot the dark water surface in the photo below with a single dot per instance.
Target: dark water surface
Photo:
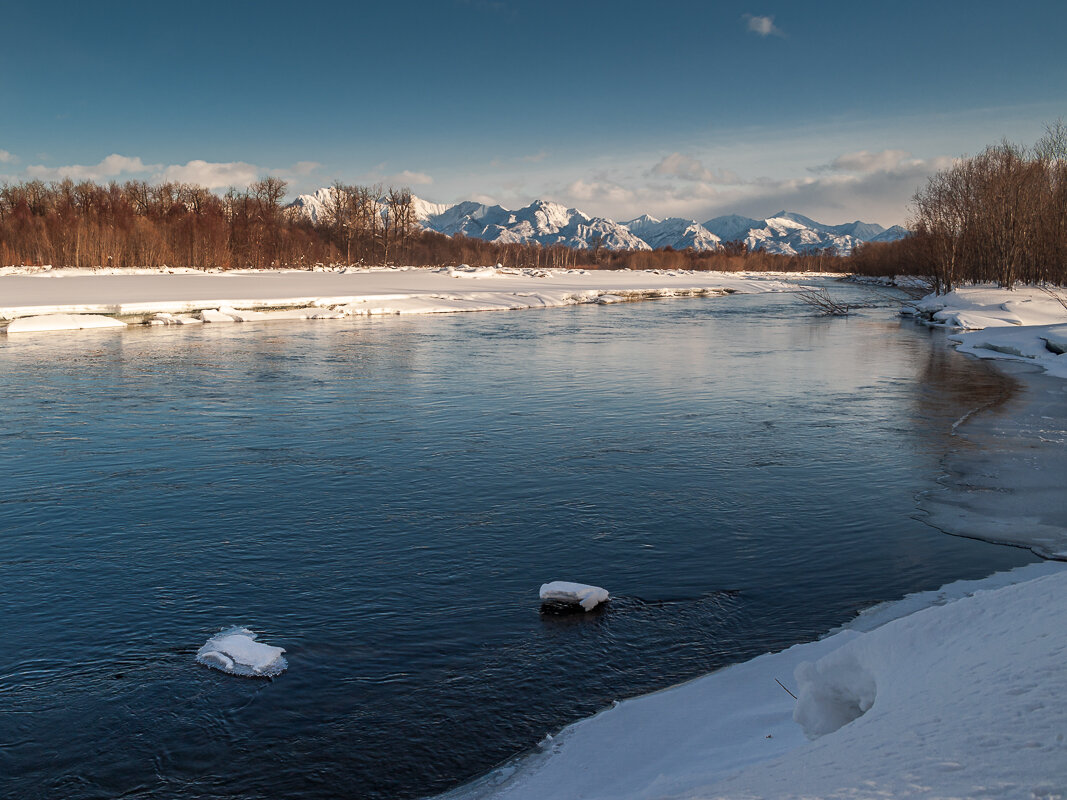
(383, 498)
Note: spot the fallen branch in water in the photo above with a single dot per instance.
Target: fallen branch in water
(824, 303)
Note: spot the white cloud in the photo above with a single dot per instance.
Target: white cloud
(600, 191)
(111, 167)
(484, 199)
(7, 158)
(762, 26)
(213, 175)
(405, 177)
(875, 187)
(864, 161)
(688, 168)
(409, 178)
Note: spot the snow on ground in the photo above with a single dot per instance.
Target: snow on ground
(237, 652)
(959, 692)
(144, 295)
(62, 322)
(1025, 324)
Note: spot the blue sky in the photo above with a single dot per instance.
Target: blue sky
(836, 110)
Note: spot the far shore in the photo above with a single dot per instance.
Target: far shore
(139, 295)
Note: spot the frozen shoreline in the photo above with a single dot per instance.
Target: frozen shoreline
(959, 692)
(140, 295)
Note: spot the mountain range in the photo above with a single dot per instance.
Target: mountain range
(548, 223)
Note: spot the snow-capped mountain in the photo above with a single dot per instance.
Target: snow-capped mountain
(311, 206)
(674, 232)
(550, 223)
(790, 233)
(890, 234)
(541, 221)
(732, 227)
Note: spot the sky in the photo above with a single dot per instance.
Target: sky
(836, 110)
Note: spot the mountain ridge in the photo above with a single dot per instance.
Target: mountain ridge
(548, 223)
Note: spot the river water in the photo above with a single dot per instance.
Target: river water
(383, 498)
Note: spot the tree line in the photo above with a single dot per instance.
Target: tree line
(138, 224)
(999, 216)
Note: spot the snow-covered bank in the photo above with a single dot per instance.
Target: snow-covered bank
(955, 693)
(959, 692)
(1025, 324)
(139, 294)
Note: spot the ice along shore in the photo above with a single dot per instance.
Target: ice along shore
(189, 296)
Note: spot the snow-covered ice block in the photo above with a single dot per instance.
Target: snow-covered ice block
(237, 652)
(62, 322)
(244, 315)
(581, 594)
(163, 318)
(214, 315)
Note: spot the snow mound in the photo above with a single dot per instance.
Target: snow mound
(566, 593)
(831, 693)
(466, 271)
(62, 322)
(237, 652)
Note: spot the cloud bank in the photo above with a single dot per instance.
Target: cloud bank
(875, 186)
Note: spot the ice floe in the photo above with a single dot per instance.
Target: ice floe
(573, 594)
(237, 652)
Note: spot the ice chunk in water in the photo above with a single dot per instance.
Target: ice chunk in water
(237, 652)
(584, 595)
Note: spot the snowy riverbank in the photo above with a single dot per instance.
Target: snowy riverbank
(954, 693)
(958, 692)
(187, 296)
(1025, 324)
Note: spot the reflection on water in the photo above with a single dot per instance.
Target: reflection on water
(948, 382)
(383, 498)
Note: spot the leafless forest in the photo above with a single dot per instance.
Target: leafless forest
(137, 224)
(1000, 216)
